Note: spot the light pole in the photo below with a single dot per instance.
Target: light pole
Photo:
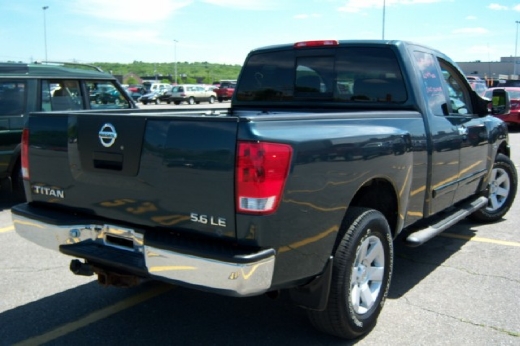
(516, 46)
(45, 30)
(175, 57)
(384, 10)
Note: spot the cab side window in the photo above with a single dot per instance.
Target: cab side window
(432, 82)
(458, 94)
(12, 97)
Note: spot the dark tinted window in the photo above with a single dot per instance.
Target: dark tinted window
(12, 97)
(354, 75)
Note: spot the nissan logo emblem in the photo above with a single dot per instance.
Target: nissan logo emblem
(107, 135)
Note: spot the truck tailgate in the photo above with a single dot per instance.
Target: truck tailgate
(155, 171)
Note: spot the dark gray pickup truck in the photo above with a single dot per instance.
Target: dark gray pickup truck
(329, 152)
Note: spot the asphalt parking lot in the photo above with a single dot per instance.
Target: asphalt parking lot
(460, 288)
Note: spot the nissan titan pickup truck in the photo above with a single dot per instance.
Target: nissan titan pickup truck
(330, 152)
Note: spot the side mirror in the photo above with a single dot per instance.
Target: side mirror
(500, 102)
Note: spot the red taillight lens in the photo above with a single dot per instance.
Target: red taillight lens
(261, 171)
(25, 154)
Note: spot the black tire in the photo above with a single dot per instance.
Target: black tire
(191, 101)
(501, 191)
(144, 102)
(177, 103)
(211, 100)
(220, 99)
(362, 269)
(157, 102)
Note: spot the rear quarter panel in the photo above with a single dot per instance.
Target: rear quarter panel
(333, 157)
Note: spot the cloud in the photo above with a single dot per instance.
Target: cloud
(517, 8)
(355, 6)
(471, 18)
(245, 4)
(497, 7)
(478, 31)
(130, 11)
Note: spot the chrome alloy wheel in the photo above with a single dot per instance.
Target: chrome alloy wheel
(367, 274)
(499, 187)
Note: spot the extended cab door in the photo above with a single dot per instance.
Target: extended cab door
(474, 137)
(458, 137)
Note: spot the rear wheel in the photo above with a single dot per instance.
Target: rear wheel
(191, 101)
(501, 191)
(177, 102)
(361, 276)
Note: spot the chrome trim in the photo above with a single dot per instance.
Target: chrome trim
(234, 278)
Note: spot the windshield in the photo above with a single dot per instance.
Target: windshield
(352, 75)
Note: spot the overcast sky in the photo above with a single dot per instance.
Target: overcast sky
(224, 31)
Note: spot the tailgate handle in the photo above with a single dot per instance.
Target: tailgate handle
(111, 161)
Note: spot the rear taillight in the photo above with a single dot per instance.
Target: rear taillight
(25, 154)
(261, 171)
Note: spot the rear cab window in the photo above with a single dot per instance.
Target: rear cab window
(343, 75)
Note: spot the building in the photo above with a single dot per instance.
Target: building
(492, 71)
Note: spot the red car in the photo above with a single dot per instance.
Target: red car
(513, 117)
(225, 91)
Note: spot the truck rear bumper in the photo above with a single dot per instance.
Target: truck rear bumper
(239, 274)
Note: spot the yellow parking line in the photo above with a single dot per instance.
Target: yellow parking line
(6, 229)
(95, 316)
(479, 239)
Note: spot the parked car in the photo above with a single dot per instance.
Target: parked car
(508, 83)
(135, 93)
(191, 94)
(151, 97)
(153, 86)
(513, 117)
(225, 91)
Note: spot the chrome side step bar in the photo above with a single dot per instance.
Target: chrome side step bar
(421, 236)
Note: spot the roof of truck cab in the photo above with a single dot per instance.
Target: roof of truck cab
(347, 43)
(22, 70)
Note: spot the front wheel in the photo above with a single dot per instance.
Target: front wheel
(361, 276)
(501, 191)
(211, 100)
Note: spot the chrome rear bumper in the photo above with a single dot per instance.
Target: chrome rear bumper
(247, 275)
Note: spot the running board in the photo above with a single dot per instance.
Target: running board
(421, 236)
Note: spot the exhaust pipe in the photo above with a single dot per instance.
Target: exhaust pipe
(79, 268)
(105, 278)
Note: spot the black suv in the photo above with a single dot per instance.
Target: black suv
(26, 88)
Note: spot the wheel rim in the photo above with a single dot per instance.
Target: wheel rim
(367, 274)
(499, 188)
